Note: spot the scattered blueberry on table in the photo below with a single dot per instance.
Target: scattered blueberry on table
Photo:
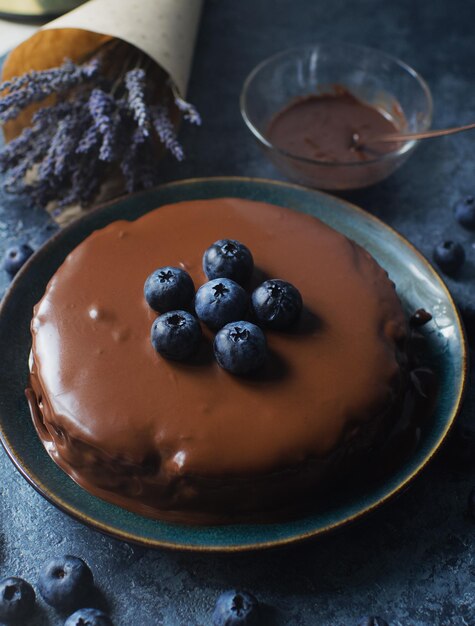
(464, 211)
(176, 335)
(276, 304)
(236, 608)
(15, 257)
(65, 583)
(17, 600)
(88, 617)
(240, 347)
(228, 258)
(449, 256)
(220, 301)
(169, 288)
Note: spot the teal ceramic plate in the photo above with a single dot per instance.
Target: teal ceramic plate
(418, 286)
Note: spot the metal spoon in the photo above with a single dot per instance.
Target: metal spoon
(360, 142)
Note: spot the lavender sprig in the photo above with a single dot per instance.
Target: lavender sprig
(17, 148)
(166, 131)
(89, 140)
(136, 163)
(103, 110)
(43, 84)
(89, 70)
(56, 163)
(190, 113)
(135, 81)
(95, 124)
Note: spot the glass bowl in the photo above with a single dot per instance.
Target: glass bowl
(374, 77)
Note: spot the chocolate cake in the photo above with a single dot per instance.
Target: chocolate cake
(188, 441)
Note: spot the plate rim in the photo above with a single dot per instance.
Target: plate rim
(149, 542)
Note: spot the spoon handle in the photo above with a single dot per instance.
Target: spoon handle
(392, 137)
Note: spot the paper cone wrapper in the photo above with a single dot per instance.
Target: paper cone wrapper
(164, 29)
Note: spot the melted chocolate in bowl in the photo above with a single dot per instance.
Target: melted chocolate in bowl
(188, 441)
(321, 129)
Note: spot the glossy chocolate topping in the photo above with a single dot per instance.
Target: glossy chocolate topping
(181, 440)
(321, 128)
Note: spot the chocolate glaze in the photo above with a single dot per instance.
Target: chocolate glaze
(321, 127)
(188, 441)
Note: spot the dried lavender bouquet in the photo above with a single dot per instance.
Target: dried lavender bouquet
(106, 119)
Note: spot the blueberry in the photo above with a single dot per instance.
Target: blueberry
(236, 608)
(220, 301)
(449, 256)
(17, 600)
(176, 335)
(228, 258)
(15, 257)
(169, 288)
(88, 617)
(65, 583)
(464, 211)
(276, 304)
(373, 621)
(240, 347)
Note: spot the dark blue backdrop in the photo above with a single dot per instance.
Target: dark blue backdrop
(412, 562)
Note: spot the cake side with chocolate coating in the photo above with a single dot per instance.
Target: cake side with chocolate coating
(188, 441)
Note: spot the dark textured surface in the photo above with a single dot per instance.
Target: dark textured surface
(412, 562)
